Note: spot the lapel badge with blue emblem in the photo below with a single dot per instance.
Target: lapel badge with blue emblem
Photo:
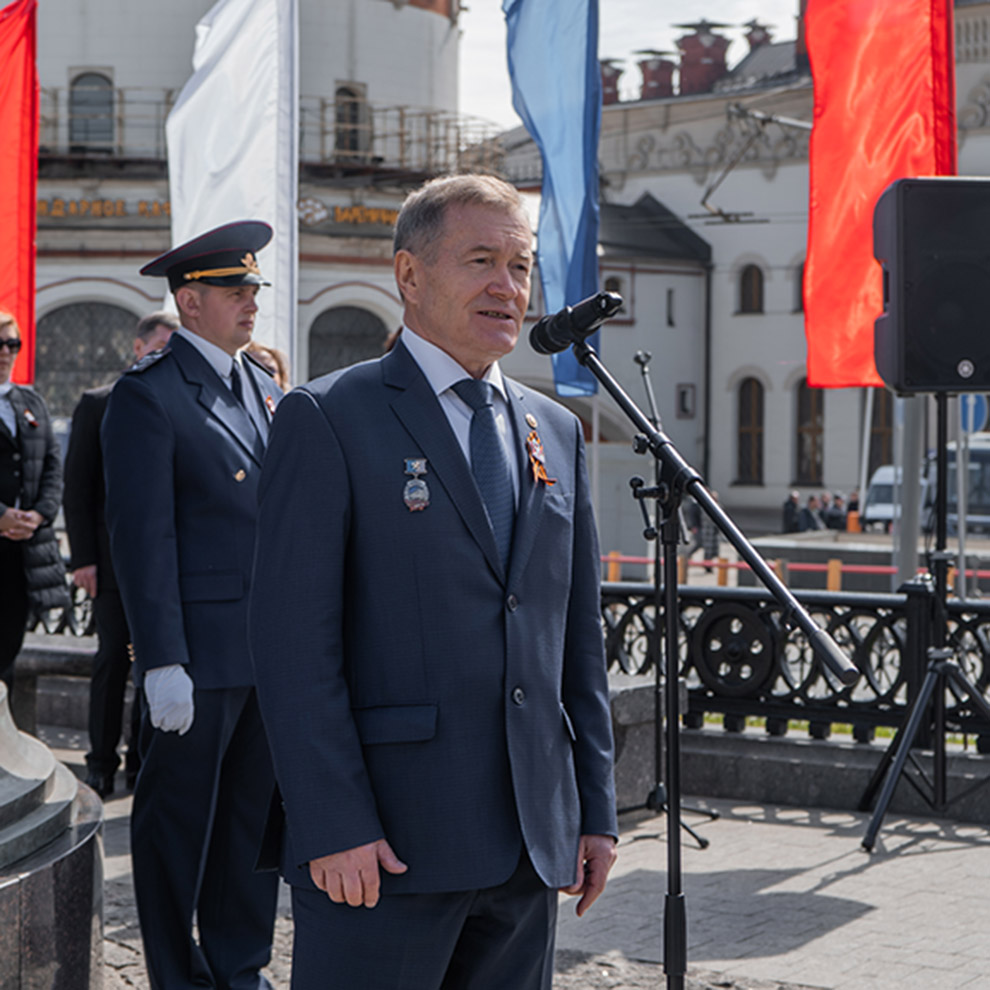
(416, 494)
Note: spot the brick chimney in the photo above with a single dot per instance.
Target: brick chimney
(658, 75)
(702, 57)
(758, 34)
(610, 81)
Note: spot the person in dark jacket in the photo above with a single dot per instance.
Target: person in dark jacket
(92, 570)
(32, 574)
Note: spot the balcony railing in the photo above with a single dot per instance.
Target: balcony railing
(351, 134)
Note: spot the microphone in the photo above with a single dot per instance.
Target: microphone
(573, 323)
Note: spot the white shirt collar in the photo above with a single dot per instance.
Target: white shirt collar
(218, 358)
(441, 370)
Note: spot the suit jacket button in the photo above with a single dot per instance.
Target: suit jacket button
(518, 695)
(16, 456)
(512, 603)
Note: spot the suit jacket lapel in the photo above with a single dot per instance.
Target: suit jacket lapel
(217, 398)
(531, 493)
(420, 412)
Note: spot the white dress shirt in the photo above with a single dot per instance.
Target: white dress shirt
(222, 363)
(443, 372)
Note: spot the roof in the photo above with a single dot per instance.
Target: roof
(770, 64)
(649, 229)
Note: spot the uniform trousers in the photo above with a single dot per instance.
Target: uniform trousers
(14, 611)
(199, 812)
(111, 668)
(500, 938)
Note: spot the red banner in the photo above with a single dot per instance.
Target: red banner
(885, 109)
(19, 172)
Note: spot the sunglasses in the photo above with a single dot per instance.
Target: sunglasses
(12, 344)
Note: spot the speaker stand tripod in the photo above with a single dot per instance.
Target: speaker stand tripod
(943, 669)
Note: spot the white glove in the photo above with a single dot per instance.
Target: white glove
(169, 691)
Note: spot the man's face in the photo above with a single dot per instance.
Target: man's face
(7, 357)
(223, 315)
(469, 292)
(154, 343)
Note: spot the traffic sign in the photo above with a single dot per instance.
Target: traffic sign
(973, 410)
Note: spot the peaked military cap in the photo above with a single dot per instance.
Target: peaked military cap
(223, 256)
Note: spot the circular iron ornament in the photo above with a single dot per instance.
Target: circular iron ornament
(733, 650)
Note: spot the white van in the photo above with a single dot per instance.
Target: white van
(977, 486)
(883, 499)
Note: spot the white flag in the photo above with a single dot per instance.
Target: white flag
(233, 144)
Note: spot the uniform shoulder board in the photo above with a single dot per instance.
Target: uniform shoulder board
(248, 356)
(147, 361)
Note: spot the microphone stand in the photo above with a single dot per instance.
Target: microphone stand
(657, 798)
(676, 478)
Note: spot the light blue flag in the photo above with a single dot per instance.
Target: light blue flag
(557, 91)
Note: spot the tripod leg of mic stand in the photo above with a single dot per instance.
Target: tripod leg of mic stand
(903, 748)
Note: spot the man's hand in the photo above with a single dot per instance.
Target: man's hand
(19, 524)
(596, 854)
(351, 877)
(85, 578)
(169, 691)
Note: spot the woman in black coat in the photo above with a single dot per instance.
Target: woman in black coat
(32, 574)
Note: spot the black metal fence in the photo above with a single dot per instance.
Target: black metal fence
(741, 659)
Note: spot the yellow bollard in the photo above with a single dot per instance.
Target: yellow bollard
(852, 522)
(682, 570)
(834, 575)
(723, 571)
(614, 565)
(780, 569)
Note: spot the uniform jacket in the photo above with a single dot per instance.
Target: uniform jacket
(85, 493)
(181, 463)
(34, 476)
(411, 689)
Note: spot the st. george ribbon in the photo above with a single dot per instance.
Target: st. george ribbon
(573, 323)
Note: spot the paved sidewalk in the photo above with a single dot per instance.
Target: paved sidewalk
(783, 898)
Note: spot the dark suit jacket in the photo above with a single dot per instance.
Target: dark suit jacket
(85, 493)
(412, 690)
(182, 462)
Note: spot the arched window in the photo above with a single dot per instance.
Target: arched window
(342, 336)
(80, 346)
(751, 289)
(810, 434)
(882, 429)
(749, 444)
(91, 114)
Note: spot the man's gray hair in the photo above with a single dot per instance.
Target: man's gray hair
(421, 219)
(147, 325)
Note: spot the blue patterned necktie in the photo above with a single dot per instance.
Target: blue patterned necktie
(489, 462)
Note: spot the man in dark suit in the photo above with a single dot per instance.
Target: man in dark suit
(183, 439)
(92, 570)
(426, 635)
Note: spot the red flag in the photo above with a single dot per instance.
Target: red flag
(885, 109)
(19, 172)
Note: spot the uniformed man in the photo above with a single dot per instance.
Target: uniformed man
(183, 439)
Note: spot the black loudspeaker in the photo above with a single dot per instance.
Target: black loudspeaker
(932, 237)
